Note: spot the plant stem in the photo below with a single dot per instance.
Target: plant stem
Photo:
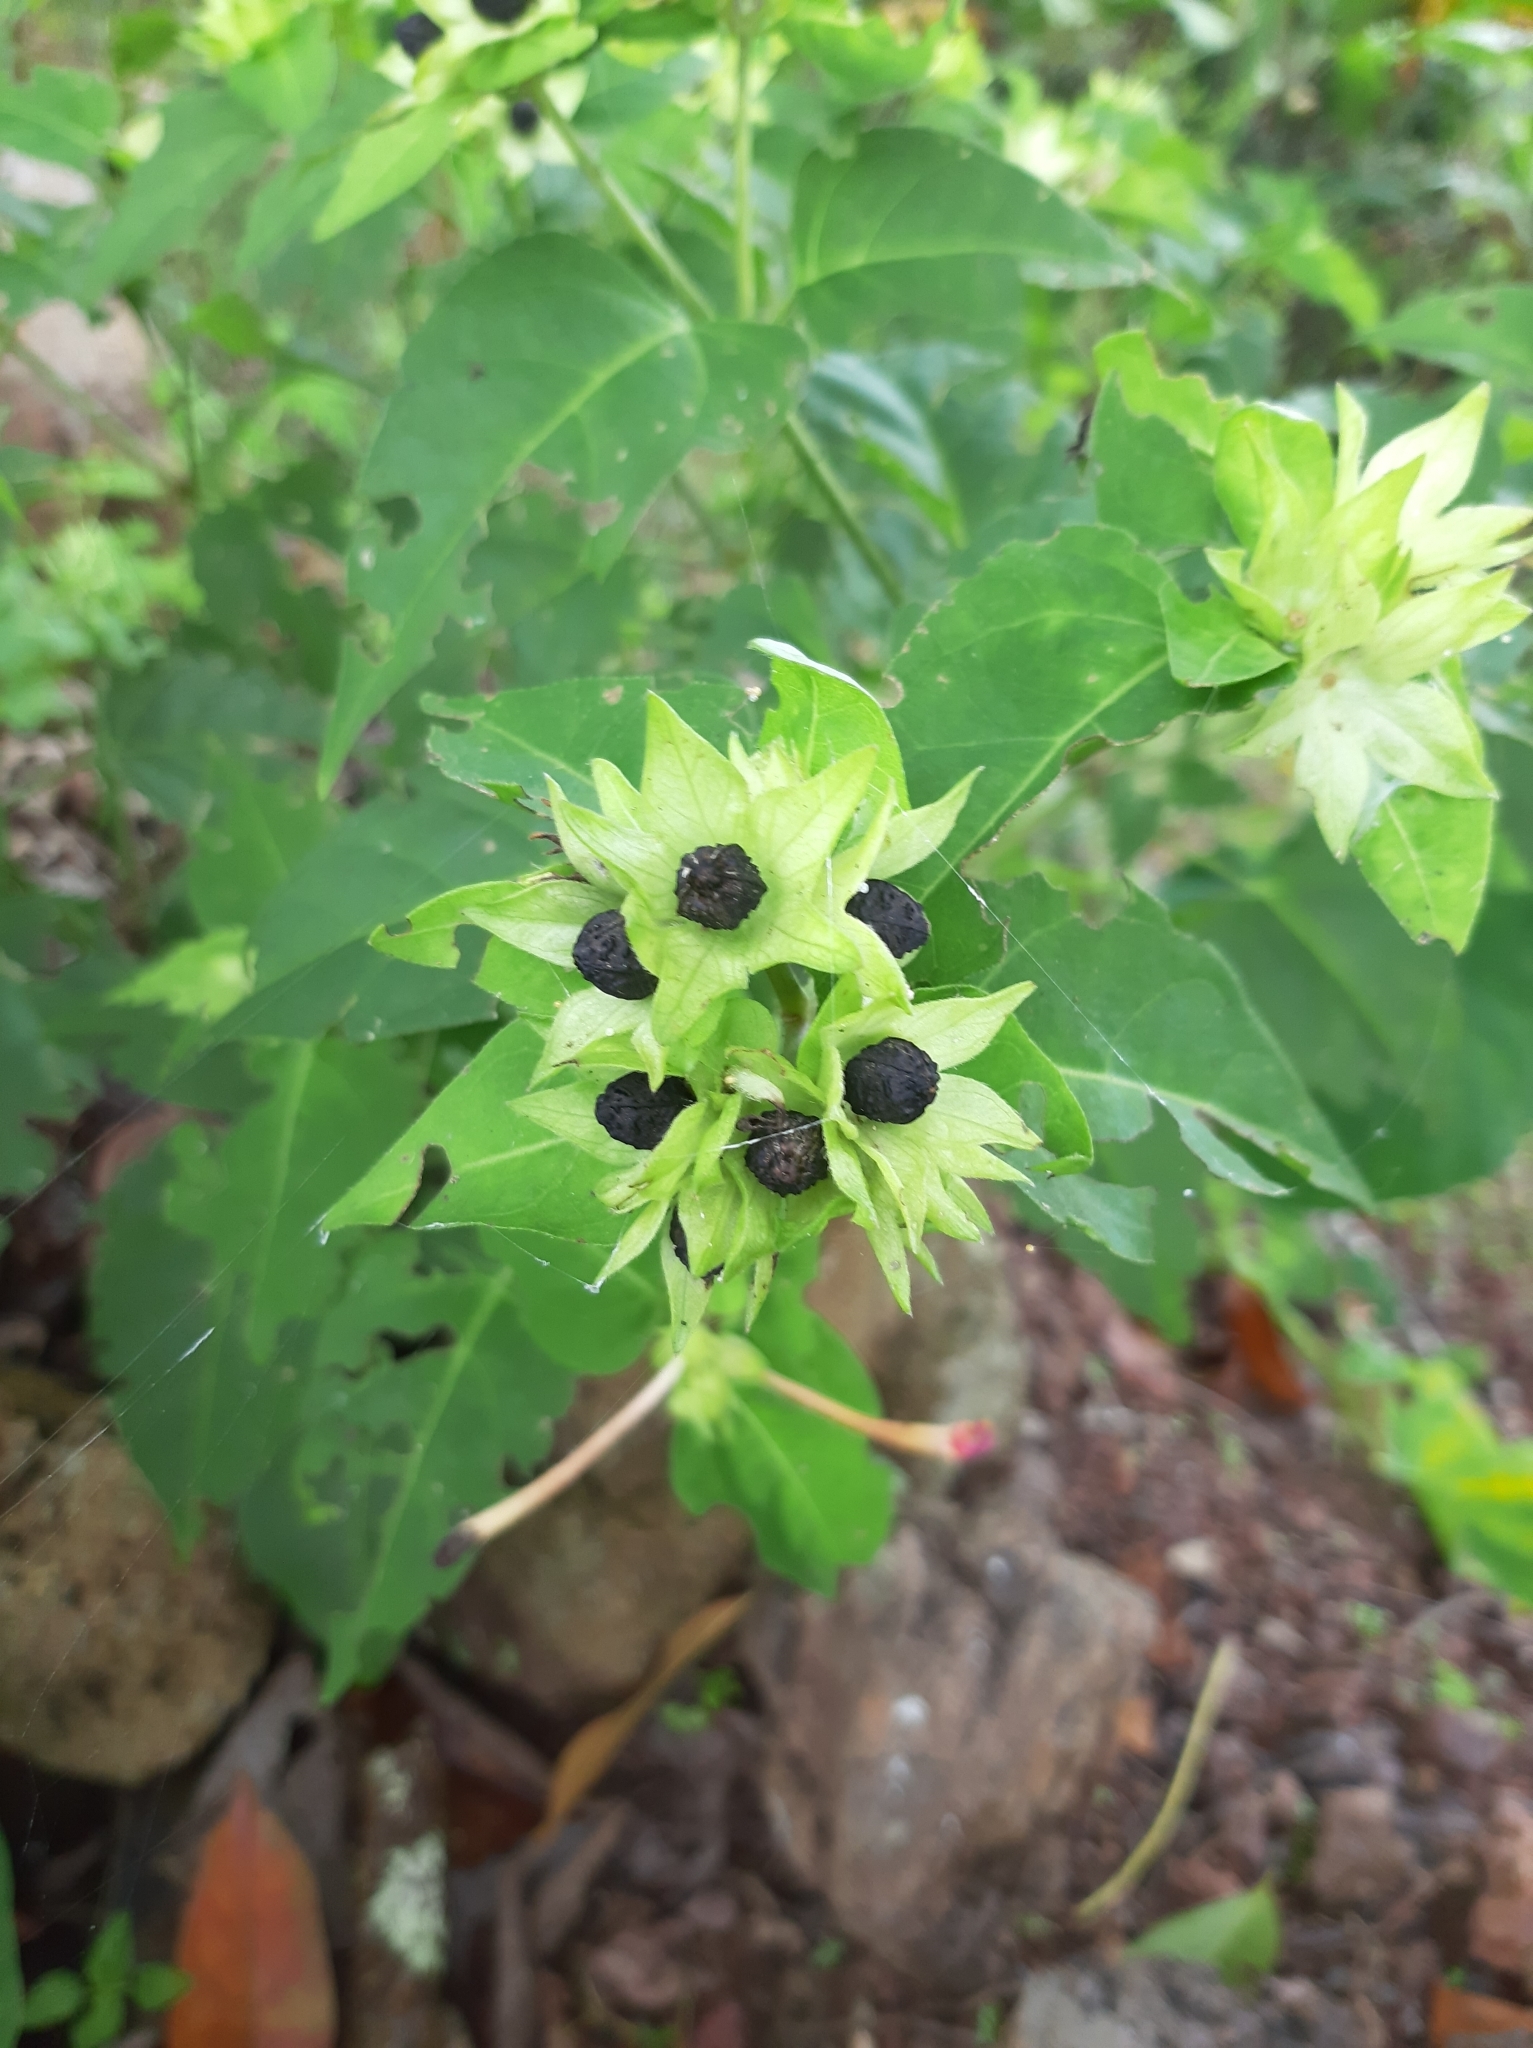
(812, 456)
(1222, 1672)
(695, 299)
(956, 1440)
(654, 244)
(745, 253)
(476, 1530)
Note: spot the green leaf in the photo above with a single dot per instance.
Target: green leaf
(211, 143)
(1150, 481)
(916, 220)
(546, 338)
(508, 60)
(393, 1451)
(1210, 643)
(514, 741)
(811, 1490)
(101, 2022)
(157, 1985)
(753, 375)
(292, 198)
(1299, 246)
(1017, 1069)
(1184, 402)
(1241, 1936)
(1483, 333)
(854, 404)
(1136, 1011)
(506, 1172)
(1428, 856)
(384, 162)
(1270, 465)
(12, 1994)
(1050, 644)
(53, 1999)
(864, 60)
(1418, 1059)
(1473, 1487)
(1117, 1218)
(41, 1081)
(289, 80)
(62, 116)
(824, 715)
(109, 1959)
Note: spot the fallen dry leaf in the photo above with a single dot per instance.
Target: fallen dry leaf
(1466, 2012)
(587, 1756)
(252, 1941)
(1259, 1343)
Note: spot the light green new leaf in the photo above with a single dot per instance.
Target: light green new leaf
(815, 1496)
(384, 162)
(864, 60)
(1428, 856)
(392, 1452)
(916, 220)
(1241, 1936)
(1483, 333)
(507, 60)
(532, 338)
(824, 715)
(210, 144)
(12, 1992)
(1268, 465)
(1184, 402)
(1475, 1488)
(259, 1197)
(62, 116)
(1049, 644)
(1209, 644)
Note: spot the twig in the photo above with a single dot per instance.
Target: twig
(812, 456)
(127, 439)
(1222, 1672)
(956, 1440)
(477, 1530)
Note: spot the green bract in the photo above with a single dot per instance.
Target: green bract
(1366, 577)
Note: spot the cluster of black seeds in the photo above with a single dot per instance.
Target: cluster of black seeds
(415, 33)
(893, 1082)
(897, 918)
(605, 957)
(679, 1247)
(524, 117)
(786, 1151)
(718, 887)
(633, 1113)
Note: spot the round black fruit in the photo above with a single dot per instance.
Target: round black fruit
(893, 1082)
(718, 887)
(415, 33)
(679, 1247)
(633, 1113)
(501, 11)
(786, 1152)
(606, 959)
(524, 117)
(897, 918)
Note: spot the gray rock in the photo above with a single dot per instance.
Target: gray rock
(1369, 1755)
(1361, 1857)
(947, 1707)
(1152, 2002)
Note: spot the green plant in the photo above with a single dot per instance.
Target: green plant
(579, 444)
(93, 2003)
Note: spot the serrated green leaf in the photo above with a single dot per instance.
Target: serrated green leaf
(1050, 644)
(530, 341)
(1119, 1219)
(1210, 643)
(1150, 481)
(1241, 1936)
(62, 116)
(392, 1452)
(916, 219)
(815, 1496)
(211, 143)
(1483, 333)
(1184, 402)
(1428, 857)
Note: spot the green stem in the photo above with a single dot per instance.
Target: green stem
(692, 296)
(745, 253)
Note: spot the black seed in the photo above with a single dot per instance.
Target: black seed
(897, 918)
(606, 959)
(718, 887)
(415, 33)
(501, 11)
(679, 1247)
(633, 1113)
(786, 1152)
(892, 1082)
(523, 117)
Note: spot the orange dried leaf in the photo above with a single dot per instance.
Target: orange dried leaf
(1466, 2012)
(252, 1941)
(587, 1756)
(1259, 1342)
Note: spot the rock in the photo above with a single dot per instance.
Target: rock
(1361, 1858)
(1196, 1560)
(961, 1353)
(1501, 1922)
(120, 1660)
(571, 1607)
(1348, 1756)
(1273, 1633)
(1157, 2003)
(1467, 1740)
(109, 363)
(400, 1951)
(947, 1706)
(634, 1972)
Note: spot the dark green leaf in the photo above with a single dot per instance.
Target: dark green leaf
(1050, 644)
(54, 1998)
(12, 1995)
(41, 1080)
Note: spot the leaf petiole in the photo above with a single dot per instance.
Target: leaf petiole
(958, 1441)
